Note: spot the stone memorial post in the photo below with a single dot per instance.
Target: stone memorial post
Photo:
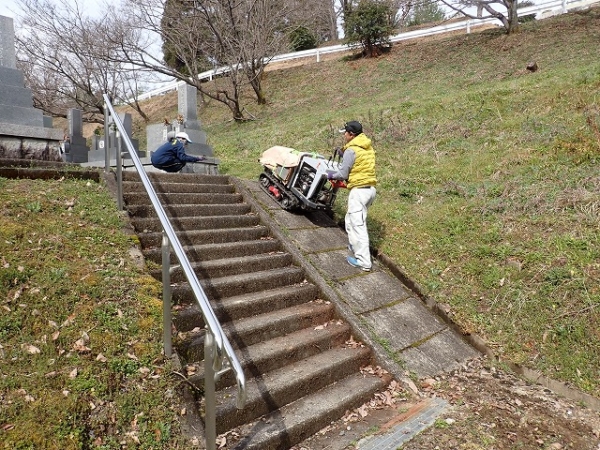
(187, 120)
(76, 151)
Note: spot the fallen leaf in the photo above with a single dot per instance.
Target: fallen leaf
(31, 349)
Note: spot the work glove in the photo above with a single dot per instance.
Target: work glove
(339, 152)
(330, 174)
(200, 158)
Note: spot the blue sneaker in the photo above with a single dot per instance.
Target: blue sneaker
(354, 263)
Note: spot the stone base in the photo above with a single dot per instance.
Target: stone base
(30, 148)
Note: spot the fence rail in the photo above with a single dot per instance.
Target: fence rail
(542, 10)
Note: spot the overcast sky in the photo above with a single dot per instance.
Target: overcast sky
(10, 8)
(7, 7)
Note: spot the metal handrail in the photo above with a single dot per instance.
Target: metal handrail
(216, 343)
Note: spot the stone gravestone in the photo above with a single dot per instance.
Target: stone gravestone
(76, 150)
(187, 120)
(98, 154)
(25, 133)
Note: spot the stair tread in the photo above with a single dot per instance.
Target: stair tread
(201, 232)
(243, 276)
(320, 365)
(273, 390)
(270, 319)
(141, 211)
(227, 286)
(272, 324)
(133, 186)
(230, 266)
(297, 421)
(246, 259)
(206, 252)
(295, 346)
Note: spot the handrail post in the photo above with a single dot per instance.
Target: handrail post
(119, 172)
(210, 416)
(106, 150)
(166, 282)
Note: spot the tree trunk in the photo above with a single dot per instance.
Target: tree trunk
(513, 17)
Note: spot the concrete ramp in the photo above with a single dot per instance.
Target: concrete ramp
(406, 334)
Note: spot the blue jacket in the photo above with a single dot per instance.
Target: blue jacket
(172, 153)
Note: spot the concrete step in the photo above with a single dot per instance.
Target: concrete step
(179, 188)
(251, 330)
(146, 225)
(218, 288)
(273, 390)
(229, 266)
(275, 353)
(294, 423)
(201, 237)
(163, 177)
(142, 211)
(247, 304)
(141, 198)
(209, 252)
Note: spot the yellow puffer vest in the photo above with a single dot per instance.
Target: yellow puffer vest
(363, 170)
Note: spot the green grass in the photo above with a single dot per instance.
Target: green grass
(489, 195)
(80, 339)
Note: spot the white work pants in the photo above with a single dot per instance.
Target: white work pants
(359, 200)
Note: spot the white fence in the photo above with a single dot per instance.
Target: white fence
(543, 10)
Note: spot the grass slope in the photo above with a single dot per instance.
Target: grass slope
(489, 195)
(80, 329)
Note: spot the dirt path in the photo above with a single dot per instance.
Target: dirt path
(490, 409)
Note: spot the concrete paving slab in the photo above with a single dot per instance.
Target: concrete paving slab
(442, 353)
(371, 291)
(404, 324)
(333, 265)
(319, 239)
(408, 428)
(300, 220)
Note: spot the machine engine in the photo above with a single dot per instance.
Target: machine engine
(298, 180)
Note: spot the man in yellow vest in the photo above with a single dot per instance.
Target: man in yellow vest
(358, 169)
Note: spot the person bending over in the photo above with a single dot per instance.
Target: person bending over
(171, 156)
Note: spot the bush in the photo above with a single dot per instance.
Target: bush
(370, 24)
(301, 38)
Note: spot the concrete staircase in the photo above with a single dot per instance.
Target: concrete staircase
(302, 366)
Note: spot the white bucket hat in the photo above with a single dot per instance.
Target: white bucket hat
(183, 135)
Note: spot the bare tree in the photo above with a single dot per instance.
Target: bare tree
(503, 10)
(241, 36)
(316, 15)
(62, 54)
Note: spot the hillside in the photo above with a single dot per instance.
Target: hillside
(488, 188)
(488, 198)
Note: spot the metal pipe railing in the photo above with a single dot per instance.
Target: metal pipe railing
(215, 338)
